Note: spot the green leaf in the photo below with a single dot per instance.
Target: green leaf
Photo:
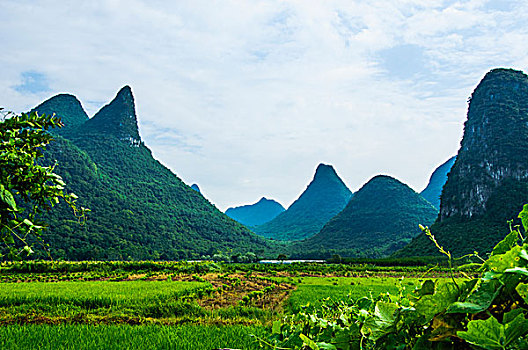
(518, 270)
(7, 198)
(382, 321)
(523, 215)
(522, 289)
(488, 334)
(479, 299)
(430, 305)
(9, 239)
(276, 327)
(326, 346)
(506, 244)
(308, 342)
(499, 263)
(516, 328)
(427, 288)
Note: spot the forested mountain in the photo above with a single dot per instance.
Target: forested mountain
(139, 208)
(382, 217)
(488, 183)
(68, 108)
(324, 197)
(256, 214)
(439, 177)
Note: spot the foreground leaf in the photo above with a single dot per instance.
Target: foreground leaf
(488, 334)
(7, 198)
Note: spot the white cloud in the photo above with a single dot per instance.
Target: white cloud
(246, 98)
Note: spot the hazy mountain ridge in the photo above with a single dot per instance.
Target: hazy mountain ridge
(325, 196)
(256, 214)
(433, 191)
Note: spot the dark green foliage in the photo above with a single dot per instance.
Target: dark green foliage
(381, 217)
(67, 108)
(27, 188)
(140, 209)
(256, 214)
(439, 177)
(117, 119)
(324, 197)
(488, 181)
(488, 312)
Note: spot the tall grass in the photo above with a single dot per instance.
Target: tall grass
(80, 337)
(93, 294)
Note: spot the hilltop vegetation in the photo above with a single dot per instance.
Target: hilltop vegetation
(381, 217)
(324, 197)
(139, 208)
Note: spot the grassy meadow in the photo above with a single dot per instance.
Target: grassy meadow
(170, 306)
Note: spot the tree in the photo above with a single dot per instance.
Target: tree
(27, 187)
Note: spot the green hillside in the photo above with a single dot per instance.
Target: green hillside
(256, 214)
(139, 208)
(488, 184)
(324, 197)
(68, 108)
(381, 217)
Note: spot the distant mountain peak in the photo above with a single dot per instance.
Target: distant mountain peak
(118, 118)
(380, 218)
(196, 188)
(65, 106)
(325, 196)
(436, 182)
(325, 170)
(125, 91)
(256, 214)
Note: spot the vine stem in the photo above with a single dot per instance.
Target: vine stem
(443, 251)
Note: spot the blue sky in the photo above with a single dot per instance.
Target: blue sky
(245, 98)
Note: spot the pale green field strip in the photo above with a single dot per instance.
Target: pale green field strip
(115, 291)
(81, 337)
(105, 293)
(312, 289)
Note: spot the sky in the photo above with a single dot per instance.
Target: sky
(246, 98)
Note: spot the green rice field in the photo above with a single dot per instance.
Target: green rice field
(158, 308)
(120, 337)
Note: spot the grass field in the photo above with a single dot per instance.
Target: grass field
(97, 293)
(312, 289)
(81, 337)
(160, 309)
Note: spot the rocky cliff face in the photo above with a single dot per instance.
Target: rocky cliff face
(493, 147)
(488, 183)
